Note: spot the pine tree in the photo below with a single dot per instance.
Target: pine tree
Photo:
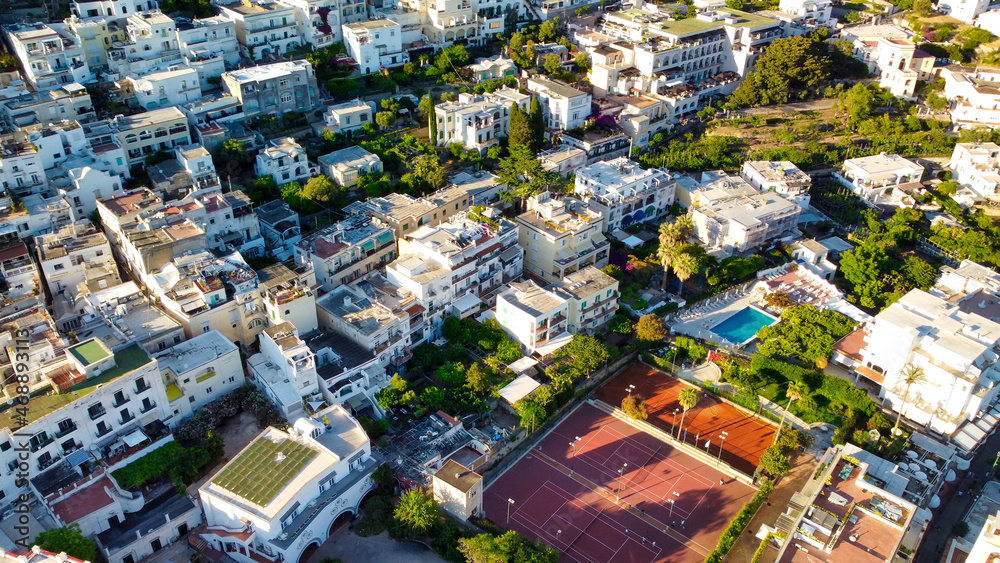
(520, 128)
(537, 125)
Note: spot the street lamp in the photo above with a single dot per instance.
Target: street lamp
(621, 475)
(671, 501)
(572, 456)
(630, 388)
(558, 534)
(510, 501)
(673, 425)
(722, 440)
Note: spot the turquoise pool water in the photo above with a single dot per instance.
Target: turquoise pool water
(742, 325)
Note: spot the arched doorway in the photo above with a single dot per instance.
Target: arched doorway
(309, 551)
(339, 522)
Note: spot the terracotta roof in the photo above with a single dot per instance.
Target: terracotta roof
(852, 344)
(85, 501)
(16, 250)
(871, 374)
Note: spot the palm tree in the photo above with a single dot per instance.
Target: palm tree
(910, 375)
(794, 392)
(672, 236)
(688, 399)
(665, 254)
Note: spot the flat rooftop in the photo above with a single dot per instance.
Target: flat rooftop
(195, 352)
(265, 467)
(89, 352)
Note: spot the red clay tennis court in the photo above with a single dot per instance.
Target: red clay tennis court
(747, 436)
(566, 495)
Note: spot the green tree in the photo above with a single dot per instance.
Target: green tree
(520, 128)
(614, 271)
(417, 510)
(522, 173)
(431, 119)
(451, 59)
(688, 261)
(427, 167)
(536, 121)
(582, 61)
(233, 157)
(506, 548)
(650, 328)
(672, 235)
(385, 118)
(531, 411)
(909, 376)
(398, 383)
(635, 407)
(67, 539)
(788, 65)
(795, 391)
(547, 31)
(774, 463)
(451, 374)
(688, 398)
(858, 103)
(735, 4)
(321, 189)
(477, 379)
(621, 324)
(552, 64)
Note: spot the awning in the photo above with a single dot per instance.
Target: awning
(358, 402)
(522, 365)
(78, 458)
(519, 389)
(134, 438)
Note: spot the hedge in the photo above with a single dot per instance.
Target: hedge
(183, 465)
(735, 528)
(762, 548)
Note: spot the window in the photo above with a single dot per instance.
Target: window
(4, 446)
(190, 399)
(205, 327)
(209, 390)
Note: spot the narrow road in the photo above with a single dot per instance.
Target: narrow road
(955, 506)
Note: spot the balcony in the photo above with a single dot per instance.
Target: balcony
(126, 419)
(557, 319)
(35, 446)
(46, 463)
(141, 388)
(102, 432)
(66, 431)
(119, 401)
(147, 407)
(95, 414)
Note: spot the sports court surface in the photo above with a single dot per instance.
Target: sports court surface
(748, 436)
(566, 495)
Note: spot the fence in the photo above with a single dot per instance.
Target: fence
(493, 472)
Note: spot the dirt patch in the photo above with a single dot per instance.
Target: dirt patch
(238, 431)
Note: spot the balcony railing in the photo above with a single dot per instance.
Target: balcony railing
(94, 415)
(120, 401)
(66, 431)
(148, 407)
(102, 433)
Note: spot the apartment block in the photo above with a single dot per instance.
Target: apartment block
(208, 45)
(741, 224)
(264, 27)
(404, 213)
(591, 298)
(286, 161)
(624, 193)
(318, 21)
(348, 116)
(973, 96)
(90, 9)
(285, 370)
(477, 122)
(375, 44)
(346, 166)
(779, 176)
(65, 256)
(199, 371)
(561, 236)
(280, 227)
(143, 134)
(874, 177)
(454, 268)
(375, 327)
(274, 89)
(346, 251)
(563, 107)
(977, 166)
(67, 102)
(535, 317)
(49, 54)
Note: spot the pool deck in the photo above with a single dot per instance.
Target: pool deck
(699, 320)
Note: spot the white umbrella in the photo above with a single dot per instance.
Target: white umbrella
(951, 476)
(914, 467)
(903, 467)
(930, 463)
(911, 454)
(935, 502)
(921, 475)
(961, 464)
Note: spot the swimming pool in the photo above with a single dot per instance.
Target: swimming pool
(741, 327)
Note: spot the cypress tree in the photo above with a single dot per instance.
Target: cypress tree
(520, 129)
(431, 121)
(537, 125)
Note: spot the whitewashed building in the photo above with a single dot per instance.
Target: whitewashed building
(625, 193)
(871, 177)
(199, 371)
(535, 317)
(740, 224)
(477, 122)
(348, 116)
(563, 107)
(285, 161)
(375, 44)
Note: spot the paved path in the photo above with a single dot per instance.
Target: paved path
(344, 544)
(767, 515)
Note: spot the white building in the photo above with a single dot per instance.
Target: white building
(563, 107)
(64, 257)
(740, 224)
(591, 297)
(536, 318)
(149, 45)
(318, 21)
(285, 370)
(477, 122)
(375, 44)
(897, 62)
(22, 169)
(208, 45)
(951, 342)
(560, 236)
(990, 21)
(564, 160)
(779, 176)
(492, 68)
(280, 227)
(284, 492)
(348, 116)
(90, 9)
(977, 166)
(871, 177)
(274, 89)
(346, 166)
(347, 250)
(166, 89)
(285, 161)
(817, 10)
(143, 134)
(625, 193)
(974, 97)
(451, 269)
(264, 27)
(374, 326)
(458, 490)
(963, 10)
(199, 371)
(49, 55)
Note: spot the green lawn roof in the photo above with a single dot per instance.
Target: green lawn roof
(126, 361)
(257, 476)
(692, 24)
(89, 352)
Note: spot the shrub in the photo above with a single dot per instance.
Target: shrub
(735, 528)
